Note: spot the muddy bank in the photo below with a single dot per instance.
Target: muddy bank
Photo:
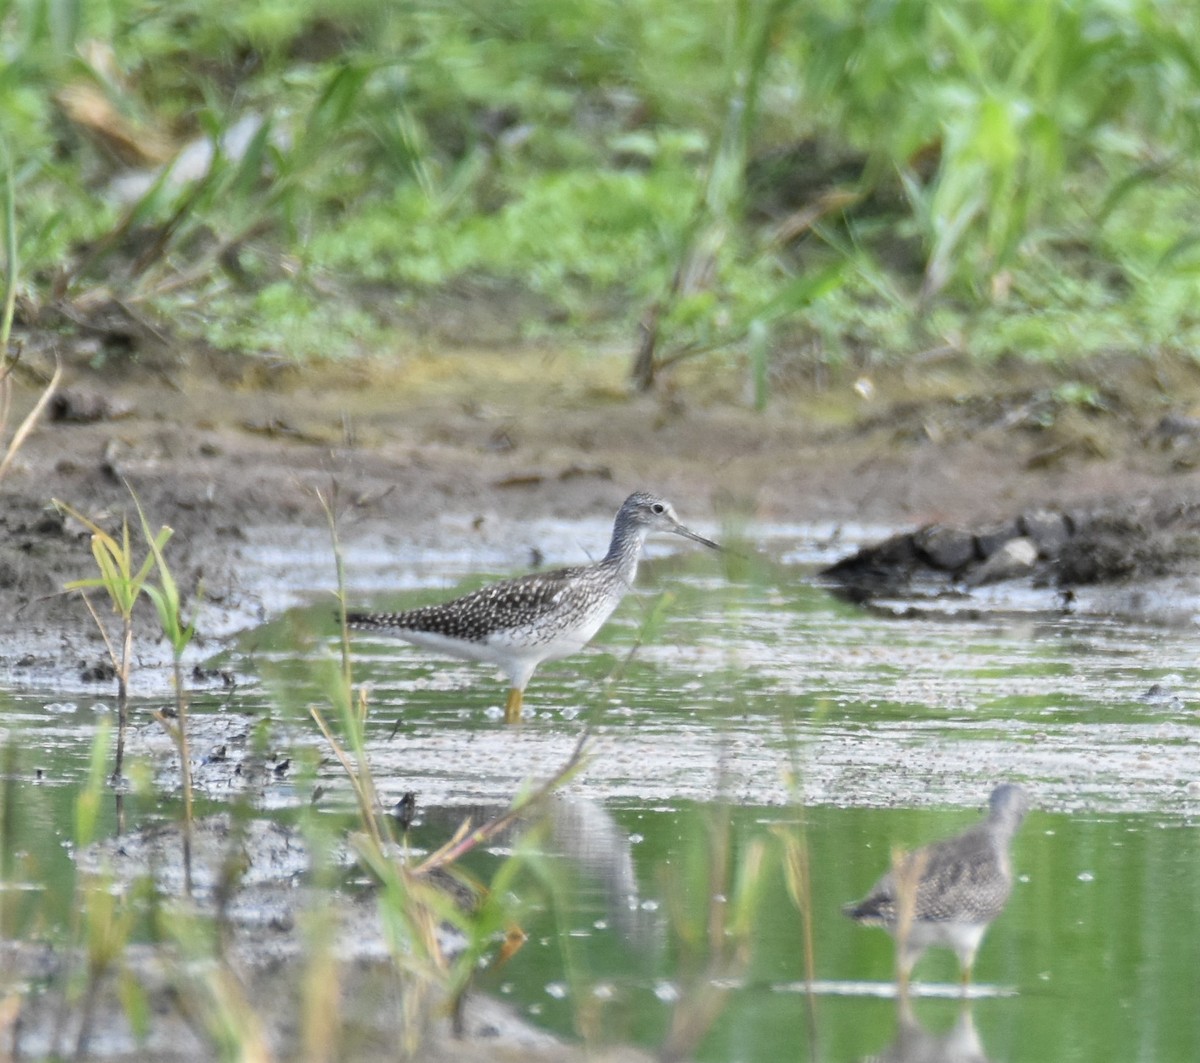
(238, 455)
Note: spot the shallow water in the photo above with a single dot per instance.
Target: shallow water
(750, 687)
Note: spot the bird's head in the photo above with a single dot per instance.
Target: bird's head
(653, 513)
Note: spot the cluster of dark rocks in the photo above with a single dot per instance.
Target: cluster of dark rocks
(1049, 547)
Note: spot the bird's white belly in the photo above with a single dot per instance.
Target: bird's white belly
(462, 648)
(946, 934)
(547, 645)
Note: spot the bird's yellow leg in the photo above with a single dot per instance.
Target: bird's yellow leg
(514, 938)
(512, 708)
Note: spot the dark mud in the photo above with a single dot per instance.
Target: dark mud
(1119, 543)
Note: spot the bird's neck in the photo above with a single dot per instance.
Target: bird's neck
(1004, 828)
(624, 552)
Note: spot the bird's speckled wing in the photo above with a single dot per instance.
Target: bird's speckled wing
(509, 604)
(963, 879)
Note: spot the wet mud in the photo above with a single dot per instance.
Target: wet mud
(240, 455)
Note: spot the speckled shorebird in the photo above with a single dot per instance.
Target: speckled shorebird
(961, 885)
(519, 623)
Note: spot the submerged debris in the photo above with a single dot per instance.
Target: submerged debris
(1048, 547)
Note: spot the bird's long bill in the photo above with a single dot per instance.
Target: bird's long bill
(687, 533)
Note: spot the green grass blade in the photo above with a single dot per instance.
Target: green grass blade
(11, 265)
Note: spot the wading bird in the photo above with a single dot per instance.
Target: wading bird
(517, 624)
(948, 892)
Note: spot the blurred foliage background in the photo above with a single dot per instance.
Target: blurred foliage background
(849, 181)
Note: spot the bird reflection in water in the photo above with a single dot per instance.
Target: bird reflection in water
(585, 836)
(915, 1044)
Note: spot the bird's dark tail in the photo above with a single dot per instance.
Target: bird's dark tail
(870, 910)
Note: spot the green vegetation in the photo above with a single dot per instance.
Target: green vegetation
(8, 359)
(123, 581)
(829, 182)
(169, 607)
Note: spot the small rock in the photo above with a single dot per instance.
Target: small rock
(946, 547)
(83, 406)
(1016, 558)
(1175, 428)
(1161, 695)
(1078, 520)
(1049, 531)
(991, 537)
(50, 522)
(98, 672)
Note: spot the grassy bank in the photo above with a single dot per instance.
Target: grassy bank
(772, 181)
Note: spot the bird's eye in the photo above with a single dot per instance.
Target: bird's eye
(658, 507)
